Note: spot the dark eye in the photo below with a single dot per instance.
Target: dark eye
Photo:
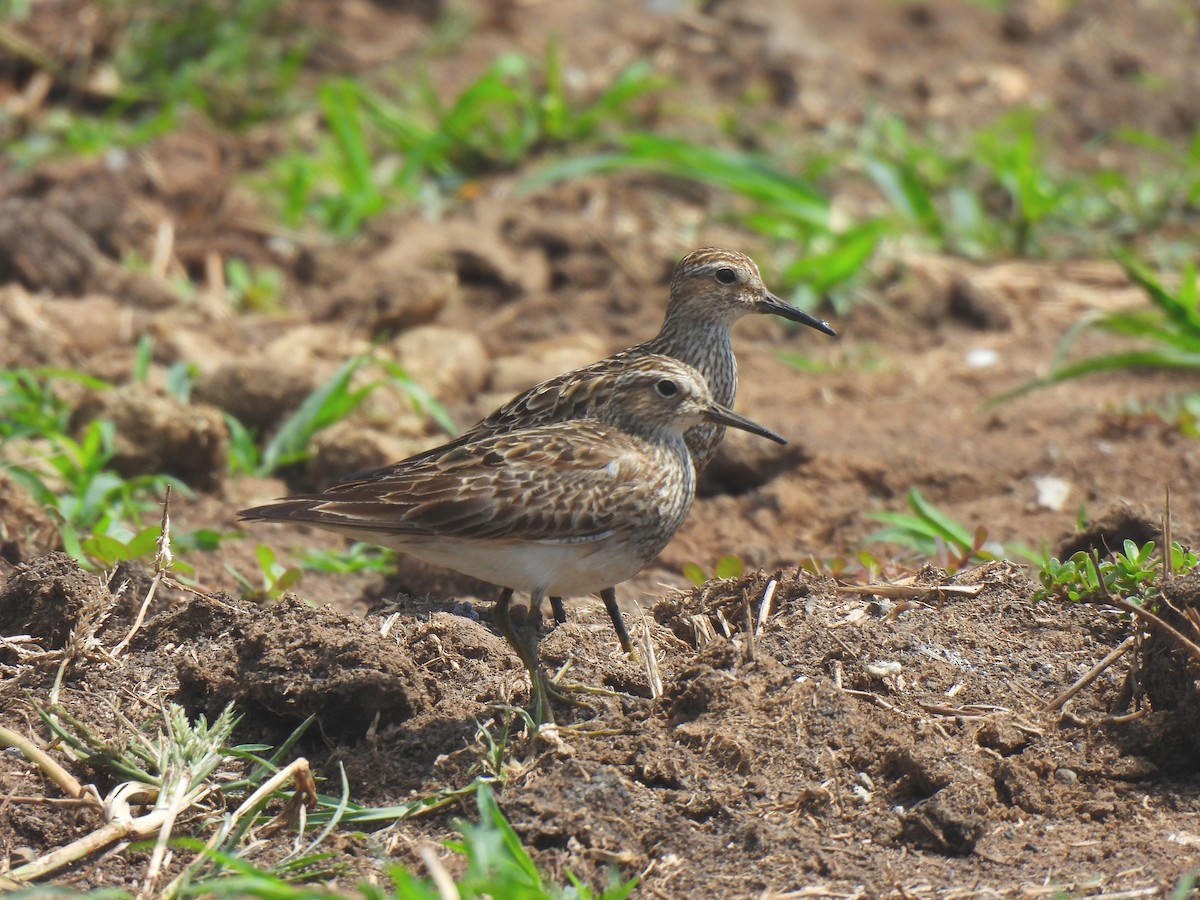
(725, 275)
(666, 388)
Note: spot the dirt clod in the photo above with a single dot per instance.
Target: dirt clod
(45, 597)
(289, 661)
(157, 434)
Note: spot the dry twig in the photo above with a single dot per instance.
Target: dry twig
(1058, 702)
(1156, 623)
(162, 562)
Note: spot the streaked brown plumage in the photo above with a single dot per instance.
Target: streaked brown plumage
(565, 508)
(710, 290)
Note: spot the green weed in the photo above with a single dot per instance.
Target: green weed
(864, 568)
(1179, 412)
(358, 557)
(1134, 575)
(998, 192)
(1013, 154)
(63, 132)
(99, 513)
(378, 151)
(499, 866)
(232, 59)
(932, 533)
(253, 290)
(327, 404)
(727, 567)
(275, 579)
(91, 503)
(1169, 331)
(1162, 188)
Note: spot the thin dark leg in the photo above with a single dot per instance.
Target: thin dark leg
(609, 596)
(530, 634)
(504, 622)
(560, 610)
(524, 641)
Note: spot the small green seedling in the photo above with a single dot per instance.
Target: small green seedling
(932, 533)
(274, 577)
(328, 404)
(727, 567)
(252, 290)
(379, 151)
(358, 557)
(1169, 330)
(864, 568)
(1134, 574)
(1016, 158)
(499, 866)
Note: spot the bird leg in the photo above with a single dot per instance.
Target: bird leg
(609, 596)
(524, 641)
(560, 610)
(529, 634)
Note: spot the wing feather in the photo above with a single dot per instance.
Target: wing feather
(562, 482)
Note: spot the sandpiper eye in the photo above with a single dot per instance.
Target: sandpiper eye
(725, 275)
(666, 388)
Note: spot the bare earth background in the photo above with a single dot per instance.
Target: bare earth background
(791, 762)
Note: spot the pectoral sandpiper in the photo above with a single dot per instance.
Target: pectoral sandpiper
(569, 507)
(710, 290)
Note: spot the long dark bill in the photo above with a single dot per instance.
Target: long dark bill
(722, 415)
(774, 306)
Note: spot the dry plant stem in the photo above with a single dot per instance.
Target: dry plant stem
(49, 767)
(1155, 623)
(910, 591)
(1168, 563)
(303, 798)
(122, 827)
(764, 608)
(653, 675)
(162, 562)
(749, 629)
(164, 246)
(437, 871)
(141, 615)
(1058, 702)
(297, 768)
(982, 711)
(27, 50)
(65, 802)
(178, 801)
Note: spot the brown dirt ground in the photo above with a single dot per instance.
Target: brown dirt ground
(851, 745)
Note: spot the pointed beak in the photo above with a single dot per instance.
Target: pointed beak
(721, 415)
(772, 305)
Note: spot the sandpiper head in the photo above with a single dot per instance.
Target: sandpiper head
(724, 285)
(661, 395)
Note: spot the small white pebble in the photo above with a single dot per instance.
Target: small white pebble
(1052, 492)
(982, 358)
(884, 669)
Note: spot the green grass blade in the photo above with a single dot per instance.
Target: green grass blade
(324, 406)
(743, 173)
(946, 526)
(339, 102)
(823, 271)
(1180, 310)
